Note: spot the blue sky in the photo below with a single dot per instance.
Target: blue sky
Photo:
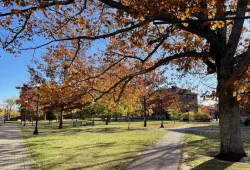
(13, 72)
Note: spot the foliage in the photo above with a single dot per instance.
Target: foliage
(1, 113)
(173, 112)
(14, 113)
(51, 114)
(208, 110)
(188, 116)
(95, 109)
(27, 99)
(202, 116)
(132, 45)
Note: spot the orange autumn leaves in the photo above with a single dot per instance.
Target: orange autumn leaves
(123, 29)
(74, 85)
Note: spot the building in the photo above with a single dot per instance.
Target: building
(188, 100)
(184, 99)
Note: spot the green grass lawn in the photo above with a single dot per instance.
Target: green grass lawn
(102, 147)
(201, 147)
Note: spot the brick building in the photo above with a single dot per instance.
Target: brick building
(185, 99)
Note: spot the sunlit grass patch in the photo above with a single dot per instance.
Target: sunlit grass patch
(93, 147)
(201, 147)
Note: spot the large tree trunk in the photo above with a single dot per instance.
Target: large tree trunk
(61, 120)
(230, 132)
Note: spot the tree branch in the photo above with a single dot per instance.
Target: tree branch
(242, 61)
(208, 35)
(6, 44)
(43, 4)
(237, 29)
(103, 36)
(155, 66)
(119, 6)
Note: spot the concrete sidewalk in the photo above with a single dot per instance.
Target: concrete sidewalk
(163, 155)
(13, 154)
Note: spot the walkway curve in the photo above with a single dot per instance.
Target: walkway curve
(164, 154)
(13, 155)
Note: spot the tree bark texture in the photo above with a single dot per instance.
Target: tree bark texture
(61, 120)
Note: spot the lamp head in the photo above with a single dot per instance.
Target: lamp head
(38, 85)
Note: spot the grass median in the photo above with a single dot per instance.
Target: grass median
(97, 147)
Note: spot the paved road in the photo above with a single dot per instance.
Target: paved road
(163, 155)
(13, 155)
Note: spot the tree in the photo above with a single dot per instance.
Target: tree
(56, 75)
(132, 39)
(10, 104)
(148, 84)
(187, 116)
(51, 115)
(203, 116)
(27, 102)
(174, 113)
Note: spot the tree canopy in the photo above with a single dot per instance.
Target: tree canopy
(132, 45)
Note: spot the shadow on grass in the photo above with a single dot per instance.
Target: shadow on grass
(120, 161)
(213, 164)
(203, 145)
(145, 159)
(206, 131)
(45, 130)
(99, 145)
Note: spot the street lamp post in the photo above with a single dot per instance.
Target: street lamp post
(162, 126)
(37, 110)
(93, 112)
(145, 111)
(26, 102)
